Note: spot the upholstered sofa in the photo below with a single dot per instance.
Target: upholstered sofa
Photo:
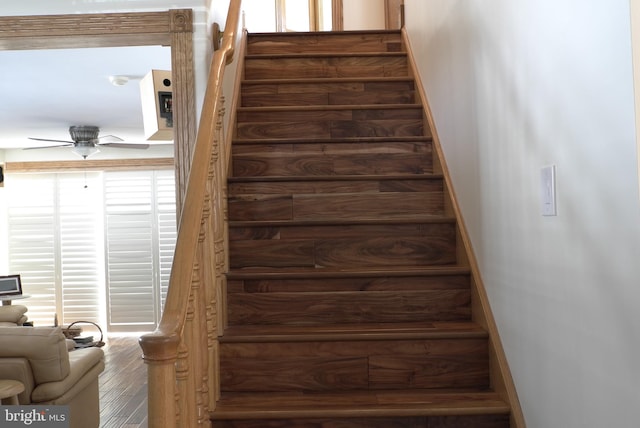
(12, 315)
(39, 358)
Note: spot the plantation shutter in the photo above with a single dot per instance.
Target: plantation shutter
(81, 247)
(167, 228)
(55, 239)
(93, 247)
(140, 230)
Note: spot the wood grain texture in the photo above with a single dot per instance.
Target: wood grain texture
(345, 307)
(373, 403)
(355, 365)
(362, 41)
(343, 245)
(325, 66)
(348, 301)
(324, 160)
(328, 92)
(473, 421)
(343, 206)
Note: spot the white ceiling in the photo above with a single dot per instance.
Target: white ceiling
(46, 91)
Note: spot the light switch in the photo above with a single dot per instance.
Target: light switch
(548, 190)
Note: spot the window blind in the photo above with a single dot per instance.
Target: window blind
(54, 239)
(95, 246)
(140, 230)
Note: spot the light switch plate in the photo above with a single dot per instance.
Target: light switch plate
(548, 190)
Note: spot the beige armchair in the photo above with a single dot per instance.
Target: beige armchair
(39, 358)
(12, 315)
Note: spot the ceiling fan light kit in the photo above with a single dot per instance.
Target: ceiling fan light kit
(85, 149)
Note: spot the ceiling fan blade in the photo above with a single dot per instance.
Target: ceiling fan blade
(53, 141)
(125, 145)
(109, 139)
(48, 147)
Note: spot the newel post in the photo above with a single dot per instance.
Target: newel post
(160, 355)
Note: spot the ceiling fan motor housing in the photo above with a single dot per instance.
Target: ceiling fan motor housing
(84, 133)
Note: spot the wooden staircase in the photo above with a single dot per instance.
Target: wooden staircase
(349, 296)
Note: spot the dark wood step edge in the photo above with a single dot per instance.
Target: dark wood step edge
(326, 54)
(354, 332)
(299, 80)
(256, 406)
(368, 222)
(346, 140)
(329, 273)
(326, 34)
(325, 107)
(284, 178)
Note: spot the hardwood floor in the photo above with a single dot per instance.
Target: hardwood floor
(123, 384)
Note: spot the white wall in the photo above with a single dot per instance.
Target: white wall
(363, 14)
(515, 86)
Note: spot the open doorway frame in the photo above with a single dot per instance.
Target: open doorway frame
(314, 17)
(172, 28)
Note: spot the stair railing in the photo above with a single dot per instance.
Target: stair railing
(182, 353)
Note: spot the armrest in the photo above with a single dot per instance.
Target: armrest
(20, 370)
(86, 364)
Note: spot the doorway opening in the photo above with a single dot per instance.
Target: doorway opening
(292, 15)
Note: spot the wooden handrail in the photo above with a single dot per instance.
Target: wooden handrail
(180, 353)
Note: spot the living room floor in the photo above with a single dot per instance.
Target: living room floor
(123, 384)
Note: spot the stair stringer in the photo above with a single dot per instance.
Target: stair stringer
(500, 373)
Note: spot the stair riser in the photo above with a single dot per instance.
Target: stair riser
(342, 246)
(332, 129)
(321, 283)
(374, 365)
(260, 115)
(331, 159)
(470, 421)
(348, 93)
(348, 307)
(402, 205)
(323, 42)
(337, 147)
(292, 165)
(325, 67)
(240, 188)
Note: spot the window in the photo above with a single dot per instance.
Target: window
(93, 246)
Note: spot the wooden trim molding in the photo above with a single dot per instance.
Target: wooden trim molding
(172, 28)
(393, 11)
(91, 165)
(337, 15)
(500, 374)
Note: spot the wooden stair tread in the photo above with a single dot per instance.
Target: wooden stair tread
(327, 34)
(344, 140)
(395, 403)
(431, 219)
(329, 107)
(345, 273)
(343, 332)
(273, 178)
(327, 80)
(326, 54)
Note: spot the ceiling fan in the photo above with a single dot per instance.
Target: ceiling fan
(86, 141)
